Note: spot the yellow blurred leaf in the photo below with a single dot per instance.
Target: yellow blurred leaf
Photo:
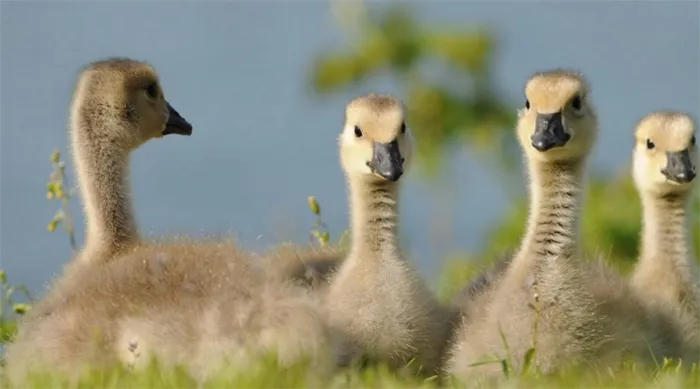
(469, 51)
(55, 156)
(313, 205)
(332, 71)
(21, 308)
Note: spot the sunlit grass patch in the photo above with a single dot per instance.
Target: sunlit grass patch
(268, 374)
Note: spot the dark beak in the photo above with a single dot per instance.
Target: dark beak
(549, 132)
(679, 168)
(176, 124)
(386, 160)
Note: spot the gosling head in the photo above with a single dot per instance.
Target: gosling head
(121, 101)
(558, 122)
(665, 154)
(375, 143)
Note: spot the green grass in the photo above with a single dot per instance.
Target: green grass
(267, 375)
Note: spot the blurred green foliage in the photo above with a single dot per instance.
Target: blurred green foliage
(57, 189)
(319, 232)
(459, 107)
(11, 310)
(462, 107)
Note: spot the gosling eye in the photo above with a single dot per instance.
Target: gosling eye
(576, 103)
(358, 132)
(692, 141)
(152, 90)
(527, 104)
(403, 127)
(650, 144)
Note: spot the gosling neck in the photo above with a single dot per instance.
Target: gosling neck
(555, 194)
(664, 233)
(374, 219)
(103, 171)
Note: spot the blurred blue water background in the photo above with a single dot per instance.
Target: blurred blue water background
(239, 71)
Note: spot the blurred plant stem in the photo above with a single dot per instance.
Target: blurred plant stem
(319, 232)
(58, 188)
(8, 324)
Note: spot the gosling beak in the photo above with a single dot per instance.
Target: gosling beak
(679, 167)
(549, 132)
(176, 124)
(386, 160)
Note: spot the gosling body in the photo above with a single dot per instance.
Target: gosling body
(376, 296)
(547, 298)
(195, 303)
(664, 170)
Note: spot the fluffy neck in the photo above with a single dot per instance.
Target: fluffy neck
(102, 171)
(555, 194)
(664, 231)
(374, 219)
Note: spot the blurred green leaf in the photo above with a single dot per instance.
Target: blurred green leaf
(439, 116)
(468, 52)
(21, 308)
(55, 156)
(7, 330)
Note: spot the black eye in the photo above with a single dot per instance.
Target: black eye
(403, 127)
(576, 103)
(650, 144)
(358, 132)
(527, 104)
(152, 90)
(692, 141)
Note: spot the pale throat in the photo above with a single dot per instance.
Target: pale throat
(374, 217)
(664, 225)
